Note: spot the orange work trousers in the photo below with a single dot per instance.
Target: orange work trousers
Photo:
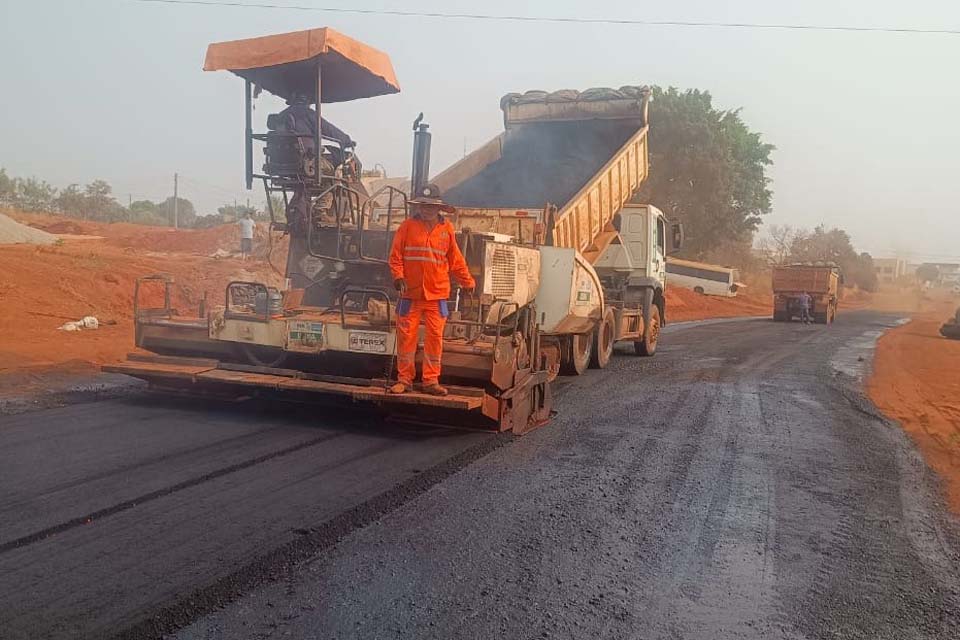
(409, 313)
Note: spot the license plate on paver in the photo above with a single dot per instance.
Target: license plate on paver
(368, 341)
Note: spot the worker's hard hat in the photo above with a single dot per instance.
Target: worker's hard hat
(430, 194)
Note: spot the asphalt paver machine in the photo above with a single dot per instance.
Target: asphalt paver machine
(330, 331)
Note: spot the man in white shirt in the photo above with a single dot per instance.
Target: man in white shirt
(247, 225)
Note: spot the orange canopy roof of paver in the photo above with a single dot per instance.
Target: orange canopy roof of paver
(285, 64)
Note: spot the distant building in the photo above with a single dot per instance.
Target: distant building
(889, 269)
(949, 271)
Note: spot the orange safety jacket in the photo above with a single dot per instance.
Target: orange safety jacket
(424, 259)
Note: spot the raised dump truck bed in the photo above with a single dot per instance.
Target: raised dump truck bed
(563, 177)
(568, 161)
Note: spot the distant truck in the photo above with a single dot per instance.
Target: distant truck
(703, 278)
(820, 281)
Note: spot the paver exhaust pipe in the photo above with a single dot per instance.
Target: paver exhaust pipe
(420, 173)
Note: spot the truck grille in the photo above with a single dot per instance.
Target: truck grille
(503, 273)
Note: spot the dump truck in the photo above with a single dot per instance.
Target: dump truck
(821, 281)
(563, 176)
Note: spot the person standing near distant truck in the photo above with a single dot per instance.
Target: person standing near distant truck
(805, 301)
(247, 227)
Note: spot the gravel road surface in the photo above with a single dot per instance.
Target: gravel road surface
(736, 486)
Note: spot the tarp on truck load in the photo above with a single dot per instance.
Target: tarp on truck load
(285, 63)
(543, 162)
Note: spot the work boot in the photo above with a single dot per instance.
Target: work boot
(398, 388)
(435, 389)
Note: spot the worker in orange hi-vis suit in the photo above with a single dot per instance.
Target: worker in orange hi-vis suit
(424, 253)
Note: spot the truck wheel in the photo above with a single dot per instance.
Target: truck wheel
(648, 346)
(576, 354)
(603, 339)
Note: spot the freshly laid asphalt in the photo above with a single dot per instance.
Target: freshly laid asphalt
(737, 485)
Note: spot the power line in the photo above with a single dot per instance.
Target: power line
(558, 19)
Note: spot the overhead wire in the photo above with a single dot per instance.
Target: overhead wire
(561, 19)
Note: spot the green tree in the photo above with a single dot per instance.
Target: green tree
(33, 195)
(99, 203)
(70, 201)
(186, 214)
(8, 188)
(834, 245)
(146, 212)
(707, 169)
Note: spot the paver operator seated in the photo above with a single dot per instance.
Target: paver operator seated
(305, 122)
(424, 253)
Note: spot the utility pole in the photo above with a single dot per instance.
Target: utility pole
(129, 200)
(176, 206)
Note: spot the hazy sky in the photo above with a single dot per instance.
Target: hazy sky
(865, 124)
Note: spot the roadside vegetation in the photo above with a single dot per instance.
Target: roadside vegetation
(95, 201)
(709, 171)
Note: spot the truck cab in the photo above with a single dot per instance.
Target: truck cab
(639, 251)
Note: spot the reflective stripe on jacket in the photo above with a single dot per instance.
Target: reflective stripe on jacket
(426, 257)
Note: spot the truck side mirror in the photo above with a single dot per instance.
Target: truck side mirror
(676, 237)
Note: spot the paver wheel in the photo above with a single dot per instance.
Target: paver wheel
(576, 354)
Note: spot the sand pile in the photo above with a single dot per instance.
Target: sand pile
(12, 232)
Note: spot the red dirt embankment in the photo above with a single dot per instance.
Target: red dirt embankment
(916, 381)
(93, 271)
(44, 286)
(685, 304)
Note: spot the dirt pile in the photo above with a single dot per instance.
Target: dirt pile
(13, 232)
(916, 381)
